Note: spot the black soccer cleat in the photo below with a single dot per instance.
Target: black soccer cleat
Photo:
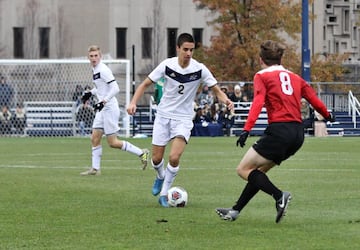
(228, 214)
(281, 206)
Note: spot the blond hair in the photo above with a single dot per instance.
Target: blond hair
(94, 48)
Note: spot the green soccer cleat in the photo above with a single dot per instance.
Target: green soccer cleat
(144, 158)
(91, 171)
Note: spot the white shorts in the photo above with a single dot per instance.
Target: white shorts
(107, 119)
(166, 129)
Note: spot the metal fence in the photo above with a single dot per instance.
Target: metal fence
(333, 94)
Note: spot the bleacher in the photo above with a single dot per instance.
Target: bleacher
(344, 126)
(50, 118)
(345, 121)
(59, 119)
(143, 120)
(241, 110)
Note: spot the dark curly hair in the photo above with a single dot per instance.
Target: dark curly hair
(271, 52)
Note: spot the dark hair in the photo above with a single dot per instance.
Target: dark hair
(271, 52)
(184, 38)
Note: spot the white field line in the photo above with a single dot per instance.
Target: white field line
(182, 169)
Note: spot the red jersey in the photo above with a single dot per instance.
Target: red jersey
(281, 90)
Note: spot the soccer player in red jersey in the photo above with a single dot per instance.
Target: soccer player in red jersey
(280, 91)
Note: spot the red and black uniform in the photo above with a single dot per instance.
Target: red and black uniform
(280, 91)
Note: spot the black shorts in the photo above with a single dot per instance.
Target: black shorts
(280, 141)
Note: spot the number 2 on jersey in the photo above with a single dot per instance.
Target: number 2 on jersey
(181, 89)
(286, 87)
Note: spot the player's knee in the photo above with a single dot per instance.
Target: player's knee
(174, 161)
(156, 161)
(242, 173)
(114, 143)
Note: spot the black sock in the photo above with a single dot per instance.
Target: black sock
(261, 181)
(247, 194)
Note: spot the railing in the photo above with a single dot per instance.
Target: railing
(152, 108)
(354, 106)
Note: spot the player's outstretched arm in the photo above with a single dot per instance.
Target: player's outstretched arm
(223, 97)
(131, 108)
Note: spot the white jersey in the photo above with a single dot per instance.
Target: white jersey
(180, 87)
(106, 88)
(106, 85)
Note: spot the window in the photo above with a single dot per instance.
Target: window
(44, 42)
(336, 48)
(198, 37)
(171, 42)
(18, 34)
(354, 35)
(332, 19)
(346, 21)
(146, 42)
(121, 42)
(343, 46)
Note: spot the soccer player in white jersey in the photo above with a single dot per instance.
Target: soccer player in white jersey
(107, 113)
(183, 76)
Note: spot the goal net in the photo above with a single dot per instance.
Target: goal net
(42, 97)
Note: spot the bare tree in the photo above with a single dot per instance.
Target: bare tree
(2, 50)
(156, 21)
(158, 32)
(31, 13)
(62, 39)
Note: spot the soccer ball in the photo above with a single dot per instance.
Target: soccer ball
(177, 197)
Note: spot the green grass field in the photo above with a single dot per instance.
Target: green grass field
(46, 204)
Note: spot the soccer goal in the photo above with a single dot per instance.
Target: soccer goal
(49, 90)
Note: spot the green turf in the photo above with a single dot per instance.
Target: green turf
(46, 204)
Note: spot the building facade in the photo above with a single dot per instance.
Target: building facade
(146, 29)
(336, 28)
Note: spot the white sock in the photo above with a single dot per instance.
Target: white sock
(160, 172)
(170, 174)
(128, 147)
(96, 157)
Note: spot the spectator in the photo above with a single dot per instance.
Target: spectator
(19, 119)
(205, 97)
(306, 114)
(85, 116)
(202, 116)
(77, 94)
(5, 120)
(227, 118)
(237, 95)
(214, 114)
(320, 125)
(6, 93)
(247, 90)
(225, 89)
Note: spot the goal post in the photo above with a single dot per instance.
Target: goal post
(56, 80)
